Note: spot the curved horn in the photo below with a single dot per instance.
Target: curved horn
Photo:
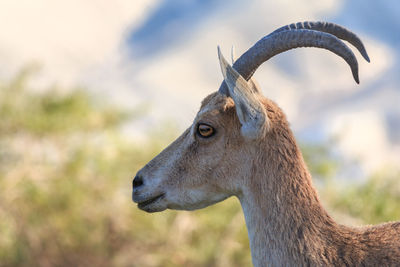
(285, 39)
(328, 27)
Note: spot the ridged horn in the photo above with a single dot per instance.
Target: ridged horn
(286, 38)
(332, 28)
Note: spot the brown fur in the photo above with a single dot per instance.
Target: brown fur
(286, 222)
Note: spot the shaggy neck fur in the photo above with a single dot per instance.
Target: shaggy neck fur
(286, 222)
(287, 225)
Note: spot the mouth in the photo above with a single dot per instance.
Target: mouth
(142, 205)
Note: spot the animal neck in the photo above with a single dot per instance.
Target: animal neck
(286, 223)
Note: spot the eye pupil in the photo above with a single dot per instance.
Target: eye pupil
(205, 130)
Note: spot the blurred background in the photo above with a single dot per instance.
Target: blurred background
(90, 91)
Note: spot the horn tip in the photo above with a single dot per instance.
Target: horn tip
(355, 75)
(365, 56)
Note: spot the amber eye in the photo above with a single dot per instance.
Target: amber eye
(205, 130)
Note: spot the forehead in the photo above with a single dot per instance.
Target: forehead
(214, 104)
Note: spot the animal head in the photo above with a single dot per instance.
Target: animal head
(235, 126)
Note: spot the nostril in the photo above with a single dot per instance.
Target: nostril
(137, 181)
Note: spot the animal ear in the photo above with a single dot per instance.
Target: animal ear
(251, 112)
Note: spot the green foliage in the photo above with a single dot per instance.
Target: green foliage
(375, 201)
(51, 112)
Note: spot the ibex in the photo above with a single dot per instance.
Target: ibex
(240, 144)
